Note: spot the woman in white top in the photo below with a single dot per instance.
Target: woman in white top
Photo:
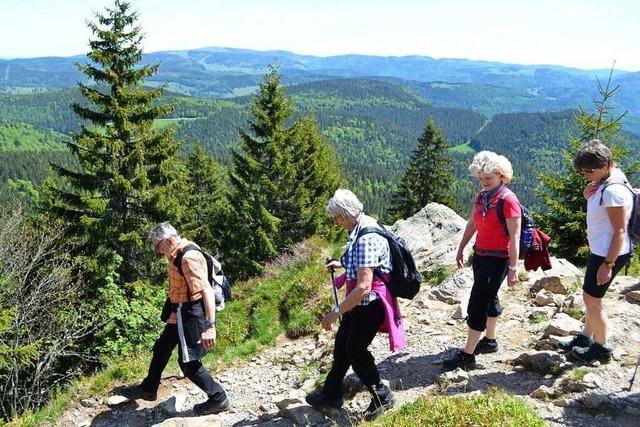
(609, 206)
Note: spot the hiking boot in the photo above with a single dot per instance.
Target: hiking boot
(318, 399)
(211, 407)
(460, 360)
(595, 351)
(580, 340)
(486, 345)
(382, 399)
(137, 392)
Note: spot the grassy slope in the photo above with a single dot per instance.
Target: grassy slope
(289, 299)
(24, 137)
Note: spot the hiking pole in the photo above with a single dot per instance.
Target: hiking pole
(333, 283)
(634, 374)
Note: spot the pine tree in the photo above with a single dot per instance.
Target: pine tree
(206, 207)
(127, 175)
(565, 218)
(427, 178)
(281, 179)
(257, 173)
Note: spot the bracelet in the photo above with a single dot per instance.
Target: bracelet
(513, 268)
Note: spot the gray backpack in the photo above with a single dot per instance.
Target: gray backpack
(633, 228)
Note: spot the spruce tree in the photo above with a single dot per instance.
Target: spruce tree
(206, 204)
(126, 177)
(281, 180)
(427, 178)
(257, 173)
(562, 192)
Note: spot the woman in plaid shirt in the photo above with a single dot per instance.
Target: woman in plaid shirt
(367, 308)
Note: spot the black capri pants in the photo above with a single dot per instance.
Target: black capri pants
(590, 285)
(488, 274)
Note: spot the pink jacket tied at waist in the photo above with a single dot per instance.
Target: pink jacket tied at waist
(393, 318)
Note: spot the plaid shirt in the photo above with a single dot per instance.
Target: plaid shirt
(370, 250)
(194, 268)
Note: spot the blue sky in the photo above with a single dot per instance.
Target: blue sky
(578, 33)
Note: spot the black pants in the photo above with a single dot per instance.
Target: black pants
(162, 349)
(590, 285)
(488, 274)
(357, 330)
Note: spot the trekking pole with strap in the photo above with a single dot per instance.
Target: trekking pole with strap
(333, 284)
(634, 374)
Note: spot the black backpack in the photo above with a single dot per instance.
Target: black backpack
(633, 228)
(527, 225)
(405, 277)
(218, 281)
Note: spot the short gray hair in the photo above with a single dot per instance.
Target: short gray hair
(345, 204)
(162, 231)
(489, 162)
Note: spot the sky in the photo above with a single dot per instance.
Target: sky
(576, 33)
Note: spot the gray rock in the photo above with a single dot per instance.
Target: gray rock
(595, 400)
(289, 401)
(454, 289)
(544, 312)
(544, 297)
(433, 235)
(543, 362)
(634, 296)
(564, 325)
(543, 392)
(116, 400)
(452, 377)
(302, 415)
(559, 279)
(90, 402)
(204, 421)
(395, 384)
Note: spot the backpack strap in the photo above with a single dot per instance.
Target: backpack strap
(611, 182)
(178, 261)
(500, 209)
(379, 229)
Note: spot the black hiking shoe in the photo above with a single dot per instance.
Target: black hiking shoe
(460, 360)
(580, 340)
(382, 400)
(137, 392)
(486, 345)
(592, 353)
(211, 407)
(318, 399)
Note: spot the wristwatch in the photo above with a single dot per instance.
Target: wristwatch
(336, 309)
(209, 323)
(609, 264)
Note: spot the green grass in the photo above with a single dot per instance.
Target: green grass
(463, 149)
(539, 318)
(579, 373)
(574, 312)
(291, 301)
(493, 408)
(24, 137)
(436, 275)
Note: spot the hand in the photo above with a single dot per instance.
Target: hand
(460, 259)
(590, 189)
(328, 320)
(604, 274)
(208, 338)
(333, 264)
(512, 277)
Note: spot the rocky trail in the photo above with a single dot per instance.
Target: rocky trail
(269, 390)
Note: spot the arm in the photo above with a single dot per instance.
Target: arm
(617, 216)
(363, 287)
(469, 231)
(194, 267)
(513, 225)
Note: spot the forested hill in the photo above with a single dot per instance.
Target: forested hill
(486, 87)
(373, 125)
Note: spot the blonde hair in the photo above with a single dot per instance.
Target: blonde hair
(490, 162)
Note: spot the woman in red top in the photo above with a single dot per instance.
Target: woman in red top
(495, 254)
